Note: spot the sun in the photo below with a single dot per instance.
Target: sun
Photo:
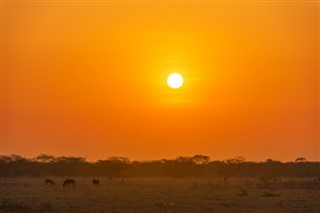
(175, 80)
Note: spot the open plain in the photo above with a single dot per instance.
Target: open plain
(161, 195)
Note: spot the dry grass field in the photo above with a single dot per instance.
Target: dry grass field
(159, 195)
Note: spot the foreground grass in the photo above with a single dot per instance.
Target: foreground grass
(157, 195)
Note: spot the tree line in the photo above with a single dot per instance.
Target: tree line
(193, 166)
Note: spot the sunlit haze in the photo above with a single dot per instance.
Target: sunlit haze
(91, 79)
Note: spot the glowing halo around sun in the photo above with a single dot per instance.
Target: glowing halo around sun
(175, 80)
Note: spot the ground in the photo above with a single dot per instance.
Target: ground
(157, 195)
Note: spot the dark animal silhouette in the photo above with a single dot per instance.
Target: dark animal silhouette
(69, 182)
(96, 182)
(49, 182)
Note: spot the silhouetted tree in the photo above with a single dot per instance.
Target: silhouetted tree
(300, 159)
(201, 159)
(195, 166)
(43, 158)
(232, 167)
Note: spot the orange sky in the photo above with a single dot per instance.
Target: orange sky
(89, 79)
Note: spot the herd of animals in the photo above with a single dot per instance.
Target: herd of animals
(70, 182)
(73, 182)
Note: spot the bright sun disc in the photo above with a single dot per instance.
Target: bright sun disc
(175, 80)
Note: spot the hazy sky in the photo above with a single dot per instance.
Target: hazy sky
(89, 79)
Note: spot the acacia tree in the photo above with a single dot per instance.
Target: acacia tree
(300, 159)
(196, 166)
(43, 158)
(113, 166)
(232, 167)
(201, 159)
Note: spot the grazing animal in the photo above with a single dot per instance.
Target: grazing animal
(49, 182)
(69, 182)
(96, 182)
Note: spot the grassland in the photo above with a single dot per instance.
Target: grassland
(160, 195)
